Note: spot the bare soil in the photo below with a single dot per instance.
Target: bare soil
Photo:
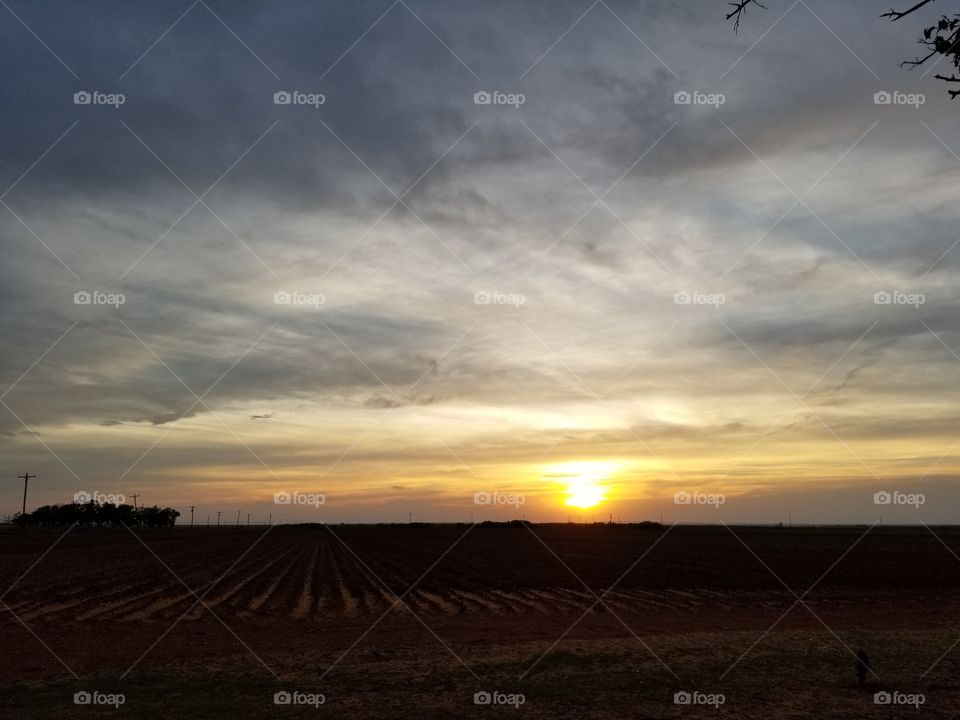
(411, 621)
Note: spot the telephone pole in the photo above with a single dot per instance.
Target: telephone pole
(191, 516)
(135, 496)
(238, 518)
(26, 478)
(219, 513)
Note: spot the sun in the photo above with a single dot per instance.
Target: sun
(583, 483)
(584, 493)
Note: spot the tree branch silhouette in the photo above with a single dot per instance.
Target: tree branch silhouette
(895, 15)
(738, 9)
(942, 38)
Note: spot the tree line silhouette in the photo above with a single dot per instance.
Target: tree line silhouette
(99, 515)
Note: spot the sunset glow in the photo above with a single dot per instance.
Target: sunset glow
(584, 483)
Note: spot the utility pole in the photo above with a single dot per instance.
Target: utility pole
(135, 496)
(191, 516)
(219, 513)
(208, 522)
(238, 518)
(26, 478)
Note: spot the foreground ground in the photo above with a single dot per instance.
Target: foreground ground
(410, 621)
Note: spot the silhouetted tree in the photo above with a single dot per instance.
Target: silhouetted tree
(943, 38)
(157, 517)
(93, 513)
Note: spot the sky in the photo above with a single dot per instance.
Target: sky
(486, 263)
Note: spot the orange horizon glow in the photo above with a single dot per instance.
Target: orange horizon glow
(584, 484)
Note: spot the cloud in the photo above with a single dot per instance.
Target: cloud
(598, 361)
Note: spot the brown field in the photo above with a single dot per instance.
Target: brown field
(411, 621)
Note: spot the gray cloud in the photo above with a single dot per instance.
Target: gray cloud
(596, 357)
